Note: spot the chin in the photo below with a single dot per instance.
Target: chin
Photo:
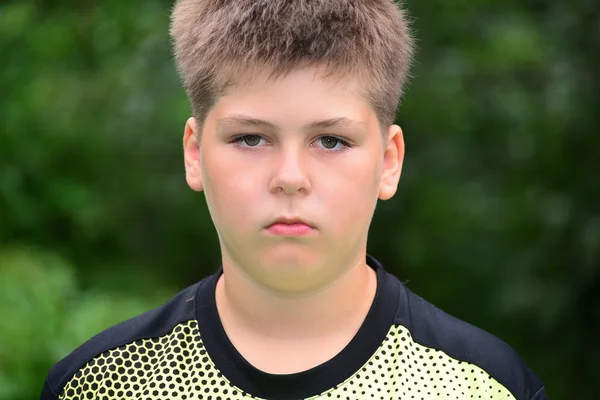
(293, 270)
(290, 259)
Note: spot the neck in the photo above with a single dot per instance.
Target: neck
(247, 307)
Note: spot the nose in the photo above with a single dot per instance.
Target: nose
(290, 173)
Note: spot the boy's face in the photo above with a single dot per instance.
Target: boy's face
(300, 150)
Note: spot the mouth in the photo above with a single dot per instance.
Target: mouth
(290, 226)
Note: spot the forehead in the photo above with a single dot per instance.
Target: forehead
(261, 77)
(297, 95)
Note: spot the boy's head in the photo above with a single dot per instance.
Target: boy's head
(292, 140)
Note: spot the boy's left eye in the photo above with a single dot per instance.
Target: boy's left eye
(332, 143)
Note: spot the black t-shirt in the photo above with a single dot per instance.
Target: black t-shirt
(405, 349)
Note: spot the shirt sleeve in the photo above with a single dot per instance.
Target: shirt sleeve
(540, 394)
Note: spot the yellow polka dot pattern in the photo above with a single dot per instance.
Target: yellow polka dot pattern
(404, 369)
(176, 366)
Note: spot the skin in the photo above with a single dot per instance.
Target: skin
(291, 303)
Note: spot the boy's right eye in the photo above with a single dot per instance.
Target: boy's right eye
(248, 140)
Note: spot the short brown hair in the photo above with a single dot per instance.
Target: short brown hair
(216, 41)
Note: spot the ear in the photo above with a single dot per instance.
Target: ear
(191, 156)
(393, 157)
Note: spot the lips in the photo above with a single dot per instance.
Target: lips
(290, 226)
(291, 221)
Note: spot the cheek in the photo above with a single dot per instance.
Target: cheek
(230, 190)
(352, 195)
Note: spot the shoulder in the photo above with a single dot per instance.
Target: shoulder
(151, 324)
(464, 345)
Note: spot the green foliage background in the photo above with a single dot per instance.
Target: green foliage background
(497, 219)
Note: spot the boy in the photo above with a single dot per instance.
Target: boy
(292, 143)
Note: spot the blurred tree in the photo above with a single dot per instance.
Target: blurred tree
(45, 316)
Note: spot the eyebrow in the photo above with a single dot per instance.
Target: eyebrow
(243, 120)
